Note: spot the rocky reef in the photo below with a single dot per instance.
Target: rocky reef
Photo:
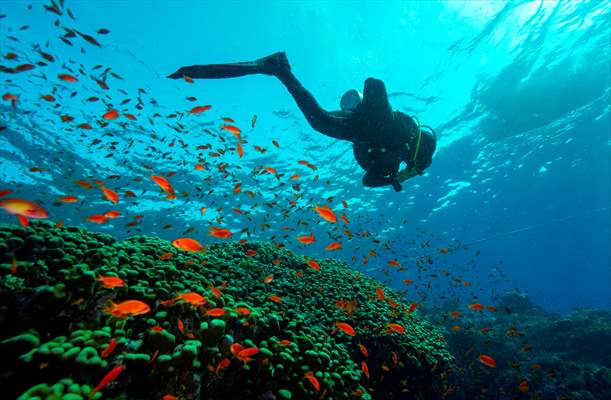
(539, 355)
(58, 338)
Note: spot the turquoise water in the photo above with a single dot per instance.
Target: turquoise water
(518, 92)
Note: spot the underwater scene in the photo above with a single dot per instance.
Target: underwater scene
(305, 200)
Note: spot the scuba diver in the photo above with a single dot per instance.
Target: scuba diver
(382, 138)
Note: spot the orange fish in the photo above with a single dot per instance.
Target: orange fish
(306, 239)
(380, 294)
(97, 218)
(268, 279)
(334, 246)
(192, 298)
(215, 312)
(243, 311)
(187, 244)
(68, 199)
(523, 386)
(14, 266)
(314, 265)
(220, 233)
(455, 314)
(310, 377)
(412, 308)
(275, 299)
(408, 281)
(455, 328)
(215, 291)
(284, 342)
(5, 192)
(233, 129)
(111, 282)
(240, 149)
(23, 209)
(112, 214)
(110, 195)
(487, 361)
(166, 256)
(394, 263)
(128, 308)
(363, 350)
(395, 328)
(326, 213)
(346, 328)
(165, 185)
(476, 307)
(110, 115)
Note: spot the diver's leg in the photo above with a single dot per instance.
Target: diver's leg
(334, 124)
(373, 180)
(266, 65)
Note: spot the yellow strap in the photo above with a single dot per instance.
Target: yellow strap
(417, 141)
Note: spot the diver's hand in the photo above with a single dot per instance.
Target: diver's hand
(405, 174)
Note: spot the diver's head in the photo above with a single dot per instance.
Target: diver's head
(350, 100)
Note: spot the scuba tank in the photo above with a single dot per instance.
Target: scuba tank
(350, 100)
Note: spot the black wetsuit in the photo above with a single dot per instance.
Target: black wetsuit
(382, 138)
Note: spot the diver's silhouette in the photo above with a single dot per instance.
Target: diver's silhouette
(382, 138)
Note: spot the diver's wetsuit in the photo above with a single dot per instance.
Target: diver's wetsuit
(382, 138)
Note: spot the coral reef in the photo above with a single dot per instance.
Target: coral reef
(539, 355)
(59, 338)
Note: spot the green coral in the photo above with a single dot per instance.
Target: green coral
(56, 297)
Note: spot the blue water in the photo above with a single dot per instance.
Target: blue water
(518, 92)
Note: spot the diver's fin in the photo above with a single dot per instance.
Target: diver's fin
(274, 64)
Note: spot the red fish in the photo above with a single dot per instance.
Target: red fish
(5, 192)
(68, 199)
(109, 377)
(199, 109)
(67, 78)
(215, 312)
(395, 328)
(314, 265)
(275, 298)
(365, 369)
(224, 363)
(110, 115)
(109, 349)
(346, 328)
(487, 361)
(97, 218)
(110, 195)
(334, 246)
(310, 377)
